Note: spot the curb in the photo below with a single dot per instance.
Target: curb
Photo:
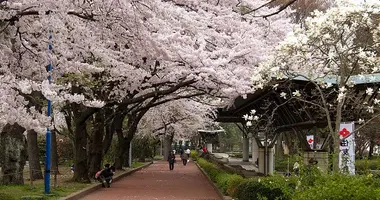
(88, 190)
(220, 194)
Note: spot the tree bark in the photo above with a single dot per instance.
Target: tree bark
(127, 147)
(168, 140)
(109, 131)
(34, 155)
(371, 147)
(118, 124)
(133, 120)
(13, 154)
(80, 161)
(96, 148)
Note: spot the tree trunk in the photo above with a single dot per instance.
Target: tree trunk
(80, 161)
(119, 160)
(118, 124)
(127, 148)
(168, 140)
(109, 130)
(371, 147)
(34, 155)
(133, 121)
(96, 145)
(13, 154)
(107, 141)
(54, 152)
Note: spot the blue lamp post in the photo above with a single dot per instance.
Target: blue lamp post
(48, 133)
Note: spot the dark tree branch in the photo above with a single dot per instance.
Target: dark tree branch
(34, 12)
(153, 104)
(83, 16)
(282, 8)
(155, 93)
(258, 8)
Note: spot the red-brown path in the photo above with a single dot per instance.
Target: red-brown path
(158, 182)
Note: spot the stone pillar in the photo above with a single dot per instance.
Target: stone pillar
(209, 147)
(255, 150)
(261, 160)
(270, 161)
(245, 149)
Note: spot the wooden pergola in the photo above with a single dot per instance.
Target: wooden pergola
(299, 116)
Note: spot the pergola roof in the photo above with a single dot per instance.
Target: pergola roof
(289, 115)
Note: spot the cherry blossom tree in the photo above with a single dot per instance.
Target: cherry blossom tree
(337, 48)
(128, 56)
(176, 120)
(302, 9)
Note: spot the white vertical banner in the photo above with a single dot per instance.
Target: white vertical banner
(310, 141)
(347, 147)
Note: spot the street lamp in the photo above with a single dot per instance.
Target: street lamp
(48, 133)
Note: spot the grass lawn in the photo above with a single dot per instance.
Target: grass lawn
(64, 186)
(137, 164)
(15, 192)
(158, 157)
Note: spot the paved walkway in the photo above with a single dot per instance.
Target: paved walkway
(158, 182)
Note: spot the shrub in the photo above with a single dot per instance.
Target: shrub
(341, 187)
(253, 189)
(194, 154)
(233, 182)
(287, 185)
(221, 181)
(226, 182)
(7, 196)
(310, 174)
(209, 168)
(363, 166)
(281, 164)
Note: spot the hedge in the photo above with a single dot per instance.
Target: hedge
(341, 187)
(226, 182)
(236, 186)
(312, 185)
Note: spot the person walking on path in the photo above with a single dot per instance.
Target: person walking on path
(188, 152)
(184, 158)
(171, 160)
(157, 182)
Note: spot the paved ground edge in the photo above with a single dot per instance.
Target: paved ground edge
(221, 195)
(88, 190)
